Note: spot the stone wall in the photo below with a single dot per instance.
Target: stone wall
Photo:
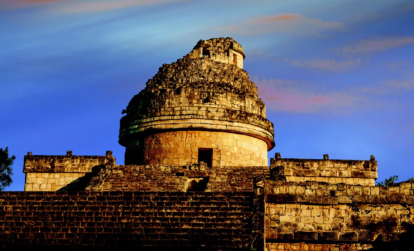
(283, 214)
(324, 213)
(49, 181)
(52, 172)
(129, 220)
(180, 148)
(288, 246)
(352, 172)
(177, 179)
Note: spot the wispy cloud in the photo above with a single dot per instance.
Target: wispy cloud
(99, 6)
(38, 1)
(290, 23)
(302, 97)
(397, 65)
(84, 6)
(390, 87)
(377, 45)
(405, 84)
(17, 4)
(326, 64)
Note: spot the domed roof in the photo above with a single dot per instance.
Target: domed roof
(199, 92)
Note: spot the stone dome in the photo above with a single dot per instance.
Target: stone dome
(207, 90)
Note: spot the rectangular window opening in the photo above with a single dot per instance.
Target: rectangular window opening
(205, 155)
(234, 59)
(206, 53)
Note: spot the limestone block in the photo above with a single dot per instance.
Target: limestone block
(394, 190)
(375, 190)
(405, 191)
(344, 199)
(28, 187)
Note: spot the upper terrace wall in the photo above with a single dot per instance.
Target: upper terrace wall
(356, 172)
(172, 179)
(52, 172)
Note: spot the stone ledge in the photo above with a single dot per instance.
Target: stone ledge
(65, 163)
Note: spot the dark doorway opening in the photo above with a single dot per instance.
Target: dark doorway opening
(206, 53)
(205, 155)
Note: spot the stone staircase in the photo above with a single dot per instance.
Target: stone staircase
(126, 220)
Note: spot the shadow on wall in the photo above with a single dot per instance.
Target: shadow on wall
(385, 235)
(405, 242)
(197, 184)
(81, 183)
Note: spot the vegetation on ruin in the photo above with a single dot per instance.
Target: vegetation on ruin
(388, 182)
(392, 180)
(6, 163)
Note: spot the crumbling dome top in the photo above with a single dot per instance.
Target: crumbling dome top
(205, 90)
(224, 50)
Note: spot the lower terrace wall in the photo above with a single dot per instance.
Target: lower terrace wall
(329, 216)
(283, 215)
(288, 246)
(334, 171)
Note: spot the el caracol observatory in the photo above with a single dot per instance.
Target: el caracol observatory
(196, 177)
(201, 108)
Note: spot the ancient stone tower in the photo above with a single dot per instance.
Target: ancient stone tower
(202, 108)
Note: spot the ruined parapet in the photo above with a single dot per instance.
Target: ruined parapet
(333, 171)
(51, 172)
(198, 104)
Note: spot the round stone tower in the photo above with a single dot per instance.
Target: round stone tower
(201, 108)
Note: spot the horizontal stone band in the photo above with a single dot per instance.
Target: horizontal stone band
(196, 124)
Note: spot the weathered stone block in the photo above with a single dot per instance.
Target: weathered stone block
(302, 235)
(344, 199)
(348, 237)
(328, 236)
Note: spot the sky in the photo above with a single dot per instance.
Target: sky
(337, 77)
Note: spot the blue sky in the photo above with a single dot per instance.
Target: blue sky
(337, 76)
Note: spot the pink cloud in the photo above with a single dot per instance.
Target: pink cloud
(282, 23)
(327, 64)
(302, 97)
(379, 44)
(275, 18)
